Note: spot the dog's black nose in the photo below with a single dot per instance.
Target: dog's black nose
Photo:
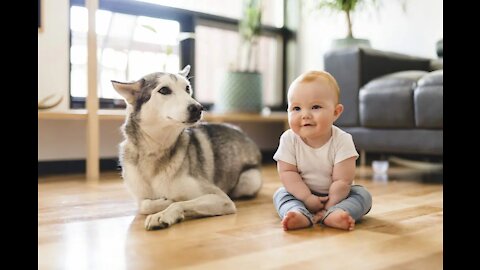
(195, 112)
(193, 109)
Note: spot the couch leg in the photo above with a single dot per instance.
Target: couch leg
(421, 165)
(363, 158)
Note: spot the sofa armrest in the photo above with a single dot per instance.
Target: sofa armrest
(428, 102)
(354, 67)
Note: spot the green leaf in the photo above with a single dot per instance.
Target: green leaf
(149, 27)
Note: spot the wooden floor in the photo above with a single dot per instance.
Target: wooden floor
(87, 227)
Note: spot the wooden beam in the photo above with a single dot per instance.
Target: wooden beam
(93, 133)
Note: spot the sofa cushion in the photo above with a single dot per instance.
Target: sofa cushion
(353, 67)
(428, 100)
(387, 102)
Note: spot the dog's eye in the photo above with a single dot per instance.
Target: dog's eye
(165, 91)
(187, 89)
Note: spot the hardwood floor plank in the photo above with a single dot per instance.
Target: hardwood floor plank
(97, 227)
(430, 261)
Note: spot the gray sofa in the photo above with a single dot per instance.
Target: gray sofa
(393, 102)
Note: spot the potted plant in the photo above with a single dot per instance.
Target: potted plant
(347, 7)
(241, 88)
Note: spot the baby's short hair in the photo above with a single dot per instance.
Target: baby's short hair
(313, 75)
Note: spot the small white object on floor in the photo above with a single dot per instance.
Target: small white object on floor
(380, 166)
(266, 111)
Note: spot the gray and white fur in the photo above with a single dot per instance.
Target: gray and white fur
(175, 166)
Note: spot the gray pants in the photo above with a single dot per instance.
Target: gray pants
(358, 203)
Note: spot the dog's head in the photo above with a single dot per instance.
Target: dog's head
(161, 96)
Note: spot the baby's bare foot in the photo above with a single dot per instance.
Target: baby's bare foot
(295, 220)
(341, 220)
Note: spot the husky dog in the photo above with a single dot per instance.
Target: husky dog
(174, 166)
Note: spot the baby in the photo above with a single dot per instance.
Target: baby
(316, 160)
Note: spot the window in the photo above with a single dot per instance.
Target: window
(272, 14)
(216, 51)
(128, 47)
(135, 38)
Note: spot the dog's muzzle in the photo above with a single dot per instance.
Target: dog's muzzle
(195, 112)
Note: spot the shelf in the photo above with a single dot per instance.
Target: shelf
(119, 115)
(81, 115)
(246, 117)
(279, 117)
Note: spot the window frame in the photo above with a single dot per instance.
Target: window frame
(187, 20)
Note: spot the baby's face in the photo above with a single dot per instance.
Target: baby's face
(312, 109)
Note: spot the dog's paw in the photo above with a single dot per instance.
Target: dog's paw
(164, 219)
(152, 222)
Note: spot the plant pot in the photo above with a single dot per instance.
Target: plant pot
(239, 92)
(349, 42)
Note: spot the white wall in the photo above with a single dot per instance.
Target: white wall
(53, 63)
(412, 32)
(66, 139)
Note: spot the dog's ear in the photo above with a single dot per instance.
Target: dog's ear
(185, 71)
(129, 91)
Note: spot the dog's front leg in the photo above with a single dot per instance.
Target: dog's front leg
(147, 207)
(203, 206)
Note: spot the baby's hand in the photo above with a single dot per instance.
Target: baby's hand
(315, 203)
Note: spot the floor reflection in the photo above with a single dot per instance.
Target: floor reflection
(106, 236)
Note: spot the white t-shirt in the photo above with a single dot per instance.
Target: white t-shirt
(315, 165)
